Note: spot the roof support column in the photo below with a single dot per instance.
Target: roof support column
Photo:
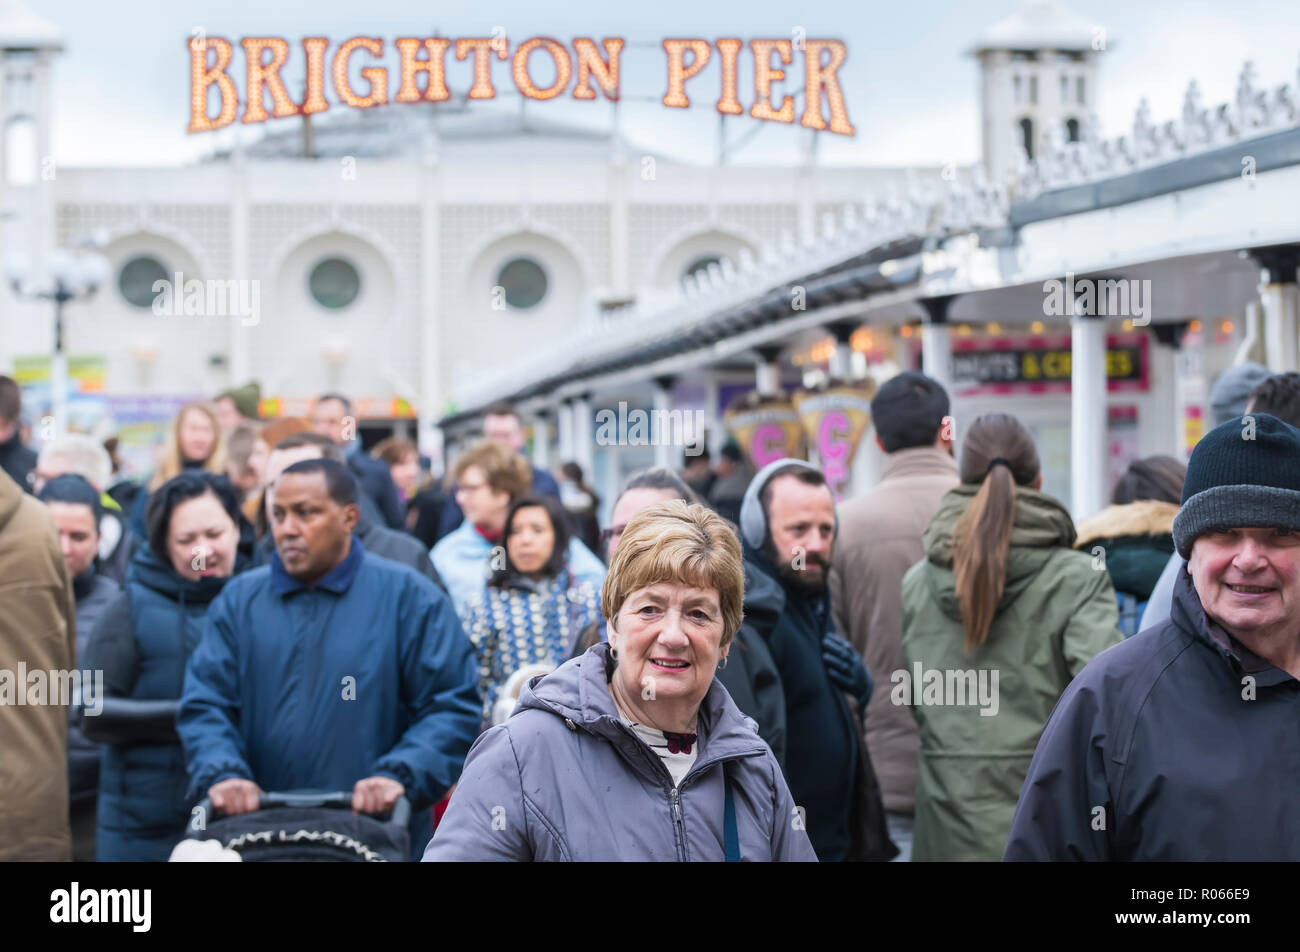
(1088, 415)
(583, 434)
(841, 367)
(1277, 296)
(663, 405)
(564, 428)
(767, 375)
(1161, 428)
(936, 340)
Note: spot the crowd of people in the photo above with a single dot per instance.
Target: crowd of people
(736, 666)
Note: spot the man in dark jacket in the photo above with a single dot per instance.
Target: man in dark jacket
(500, 425)
(329, 669)
(332, 417)
(74, 505)
(15, 458)
(377, 538)
(1178, 744)
(787, 526)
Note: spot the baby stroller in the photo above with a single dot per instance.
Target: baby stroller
(307, 826)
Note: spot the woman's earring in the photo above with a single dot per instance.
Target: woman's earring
(613, 652)
(724, 663)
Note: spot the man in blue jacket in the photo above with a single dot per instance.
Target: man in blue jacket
(1179, 744)
(329, 669)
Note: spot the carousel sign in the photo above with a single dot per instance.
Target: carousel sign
(421, 75)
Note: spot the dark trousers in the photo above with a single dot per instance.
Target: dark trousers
(82, 821)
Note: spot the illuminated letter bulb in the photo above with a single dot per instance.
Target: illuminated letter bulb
(563, 68)
(376, 75)
(201, 77)
(679, 72)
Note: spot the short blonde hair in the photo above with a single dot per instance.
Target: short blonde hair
(675, 541)
(503, 469)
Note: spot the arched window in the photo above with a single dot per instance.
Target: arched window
(523, 282)
(334, 283)
(1027, 137)
(1072, 130)
(137, 278)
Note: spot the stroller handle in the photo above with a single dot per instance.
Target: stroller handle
(330, 800)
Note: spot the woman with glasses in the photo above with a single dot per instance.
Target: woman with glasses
(489, 477)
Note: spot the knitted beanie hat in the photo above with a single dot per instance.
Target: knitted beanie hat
(1243, 474)
(247, 399)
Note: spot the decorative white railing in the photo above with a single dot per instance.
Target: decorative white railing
(1255, 112)
(952, 203)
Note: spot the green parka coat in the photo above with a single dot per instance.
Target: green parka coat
(980, 715)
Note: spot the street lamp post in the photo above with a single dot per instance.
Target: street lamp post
(66, 276)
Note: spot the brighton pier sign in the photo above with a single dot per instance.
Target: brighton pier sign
(422, 74)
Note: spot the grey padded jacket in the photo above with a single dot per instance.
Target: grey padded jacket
(564, 779)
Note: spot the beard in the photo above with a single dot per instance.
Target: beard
(800, 579)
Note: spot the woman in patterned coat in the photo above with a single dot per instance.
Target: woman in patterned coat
(532, 610)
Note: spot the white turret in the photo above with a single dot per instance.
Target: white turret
(1038, 69)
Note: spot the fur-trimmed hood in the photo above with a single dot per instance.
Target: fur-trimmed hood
(1146, 517)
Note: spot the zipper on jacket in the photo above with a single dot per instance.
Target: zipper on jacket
(681, 831)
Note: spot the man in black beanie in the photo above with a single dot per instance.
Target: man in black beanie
(1179, 743)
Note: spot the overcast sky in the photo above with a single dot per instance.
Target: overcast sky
(122, 84)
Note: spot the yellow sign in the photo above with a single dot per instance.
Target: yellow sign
(85, 372)
(834, 420)
(767, 428)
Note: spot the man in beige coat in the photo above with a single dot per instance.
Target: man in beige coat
(37, 636)
(880, 539)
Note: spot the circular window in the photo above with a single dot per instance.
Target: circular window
(701, 264)
(523, 281)
(334, 283)
(137, 278)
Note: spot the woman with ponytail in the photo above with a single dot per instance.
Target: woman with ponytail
(997, 619)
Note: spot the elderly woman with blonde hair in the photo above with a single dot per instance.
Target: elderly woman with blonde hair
(633, 750)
